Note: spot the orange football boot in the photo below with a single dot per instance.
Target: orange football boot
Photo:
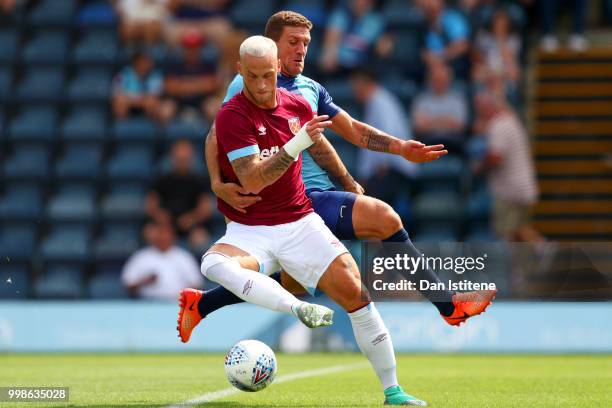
(469, 304)
(188, 317)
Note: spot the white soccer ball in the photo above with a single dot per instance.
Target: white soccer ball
(250, 365)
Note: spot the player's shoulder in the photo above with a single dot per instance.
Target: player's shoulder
(234, 109)
(290, 98)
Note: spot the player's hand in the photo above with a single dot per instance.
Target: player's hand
(235, 196)
(418, 152)
(316, 125)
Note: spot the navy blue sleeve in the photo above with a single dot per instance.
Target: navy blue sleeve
(326, 105)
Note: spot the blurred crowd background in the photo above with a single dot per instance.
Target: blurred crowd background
(104, 107)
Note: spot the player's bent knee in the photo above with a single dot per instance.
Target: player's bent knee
(211, 259)
(390, 222)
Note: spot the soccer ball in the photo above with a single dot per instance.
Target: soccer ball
(250, 365)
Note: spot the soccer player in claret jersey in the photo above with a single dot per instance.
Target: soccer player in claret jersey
(349, 214)
(261, 134)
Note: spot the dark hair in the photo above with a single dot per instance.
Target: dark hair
(368, 73)
(278, 21)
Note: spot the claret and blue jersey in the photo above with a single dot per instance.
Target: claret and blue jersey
(314, 177)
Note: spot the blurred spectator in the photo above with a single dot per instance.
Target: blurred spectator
(8, 6)
(548, 10)
(496, 52)
(511, 173)
(190, 81)
(141, 21)
(447, 38)
(350, 35)
(207, 17)
(440, 114)
(138, 87)
(161, 270)
(182, 198)
(380, 172)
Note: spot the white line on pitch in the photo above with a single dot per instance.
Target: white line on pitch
(226, 392)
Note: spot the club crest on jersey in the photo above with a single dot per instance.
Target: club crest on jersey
(294, 125)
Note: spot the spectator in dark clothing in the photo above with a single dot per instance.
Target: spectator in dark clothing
(182, 198)
(191, 81)
(548, 13)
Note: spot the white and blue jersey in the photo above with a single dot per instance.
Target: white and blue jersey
(320, 101)
(335, 207)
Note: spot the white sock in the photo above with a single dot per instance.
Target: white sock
(375, 342)
(250, 286)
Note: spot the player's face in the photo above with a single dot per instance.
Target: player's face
(259, 74)
(292, 49)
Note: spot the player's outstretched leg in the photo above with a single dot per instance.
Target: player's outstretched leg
(252, 287)
(373, 218)
(341, 282)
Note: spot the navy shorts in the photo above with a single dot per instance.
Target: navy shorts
(336, 209)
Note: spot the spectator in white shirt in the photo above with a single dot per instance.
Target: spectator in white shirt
(161, 270)
(440, 114)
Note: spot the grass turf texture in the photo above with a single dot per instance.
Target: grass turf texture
(157, 380)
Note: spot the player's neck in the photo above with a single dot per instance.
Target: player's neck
(271, 104)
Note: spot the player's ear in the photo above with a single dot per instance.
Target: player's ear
(278, 66)
(239, 67)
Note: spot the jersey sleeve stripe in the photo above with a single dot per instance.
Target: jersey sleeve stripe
(243, 152)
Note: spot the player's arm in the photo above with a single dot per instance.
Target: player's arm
(368, 137)
(255, 173)
(231, 193)
(324, 154)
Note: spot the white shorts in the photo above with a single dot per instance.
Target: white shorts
(304, 248)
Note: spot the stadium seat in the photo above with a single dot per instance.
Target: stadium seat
(21, 204)
(434, 235)
(131, 164)
(244, 15)
(117, 242)
(402, 14)
(406, 53)
(53, 13)
(479, 205)
(123, 205)
(96, 14)
(87, 124)
(61, 281)
(27, 162)
(15, 282)
(46, 48)
(18, 242)
(438, 206)
(90, 86)
(139, 129)
(33, 124)
(79, 162)
(9, 40)
(314, 10)
(71, 206)
(67, 243)
(194, 130)
(107, 286)
(446, 174)
(99, 47)
(41, 85)
(404, 89)
(5, 84)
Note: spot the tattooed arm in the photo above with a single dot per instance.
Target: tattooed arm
(255, 173)
(324, 154)
(366, 136)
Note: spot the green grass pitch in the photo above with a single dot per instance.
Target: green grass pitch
(159, 380)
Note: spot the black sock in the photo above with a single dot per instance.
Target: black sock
(218, 297)
(441, 299)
